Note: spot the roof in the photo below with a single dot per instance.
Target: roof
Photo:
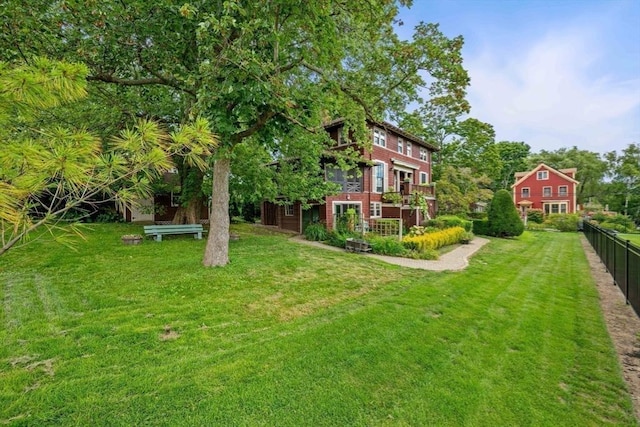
(522, 176)
(388, 126)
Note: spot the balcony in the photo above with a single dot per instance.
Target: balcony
(406, 190)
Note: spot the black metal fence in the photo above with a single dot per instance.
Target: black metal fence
(621, 258)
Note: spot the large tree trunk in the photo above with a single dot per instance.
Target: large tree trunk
(189, 214)
(217, 251)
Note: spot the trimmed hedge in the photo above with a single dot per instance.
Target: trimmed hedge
(448, 221)
(435, 240)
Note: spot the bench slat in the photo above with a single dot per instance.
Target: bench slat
(159, 230)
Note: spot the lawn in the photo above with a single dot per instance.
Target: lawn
(292, 335)
(633, 238)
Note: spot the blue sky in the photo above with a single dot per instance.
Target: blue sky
(550, 73)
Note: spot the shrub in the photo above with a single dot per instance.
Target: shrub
(448, 221)
(481, 227)
(535, 215)
(335, 238)
(563, 222)
(386, 246)
(316, 232)
(624, 222)
(616, 227)
(435, 240)
(504, 220)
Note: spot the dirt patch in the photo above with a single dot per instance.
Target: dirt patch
(622, 322)
(169, 334)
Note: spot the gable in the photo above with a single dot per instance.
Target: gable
(522, 177)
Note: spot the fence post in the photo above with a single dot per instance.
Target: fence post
(626, 273)
(615, 242)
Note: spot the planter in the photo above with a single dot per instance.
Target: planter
(132, 239)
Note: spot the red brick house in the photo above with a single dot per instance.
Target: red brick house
(397, 166)
(551, 190)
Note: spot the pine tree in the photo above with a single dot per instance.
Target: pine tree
(504, 220)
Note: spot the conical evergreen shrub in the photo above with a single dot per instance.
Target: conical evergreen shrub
(503, 217)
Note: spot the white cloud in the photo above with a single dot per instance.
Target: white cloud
(552, 93)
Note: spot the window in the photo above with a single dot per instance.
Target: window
(424, 154)
(542, 175)
(288, 210)
(379, 170)
(424, 178)
(350, 181)
(400, 144)
(554, 208)
(526, 193)
(546, 191)
(341, 139)
(563, 190)
(408, 149)
(375, 210)
(175, 199)
(379, 137)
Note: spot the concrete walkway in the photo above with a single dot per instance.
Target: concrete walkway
(454, 260)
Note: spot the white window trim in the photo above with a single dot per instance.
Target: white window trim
(426, 178)
(176, 195)
(288, 210)
(550, 205)
(400, 146)
(563, 193)
(385, 177)
(375, 210)
(522, 192)
(382, 136)
(542, 175)
(408, 149)
(550, 191)
(424, 154)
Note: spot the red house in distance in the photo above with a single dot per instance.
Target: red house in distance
(551, 190)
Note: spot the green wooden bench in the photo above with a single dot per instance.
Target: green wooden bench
(157, 231)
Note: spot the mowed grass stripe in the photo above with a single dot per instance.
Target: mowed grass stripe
(292, 335)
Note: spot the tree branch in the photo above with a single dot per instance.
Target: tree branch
(343, 88)
(259, 124)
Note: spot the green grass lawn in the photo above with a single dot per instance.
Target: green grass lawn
(292, 335)
(633, 238)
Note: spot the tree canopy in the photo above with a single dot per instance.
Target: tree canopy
(261, 70)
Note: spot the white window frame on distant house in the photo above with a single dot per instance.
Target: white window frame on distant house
(379, 137)
(424, 154)
(556, 207)
(563, 190)
(375, 210)
(175, 199)
(547, 191)
(525, 192)
(424, 178)
(542, 175)
(409, 149)
(400, 144)
(288, 210)
(378, 168)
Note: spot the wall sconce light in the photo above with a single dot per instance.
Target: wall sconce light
(348, 196)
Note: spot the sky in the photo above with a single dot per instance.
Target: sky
(551, 73)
